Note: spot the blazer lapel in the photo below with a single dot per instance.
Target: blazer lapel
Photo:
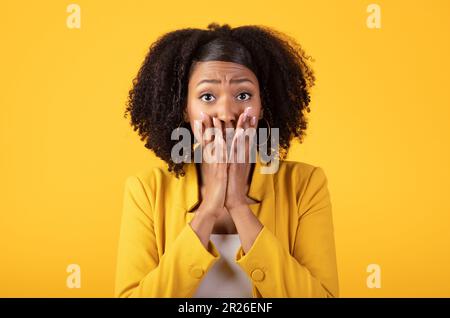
(262, 189)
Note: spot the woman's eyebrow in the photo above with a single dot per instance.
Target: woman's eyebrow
(240, 80)
(232, 81)
(213, 81)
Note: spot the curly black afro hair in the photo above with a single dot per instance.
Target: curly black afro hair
(158, 96)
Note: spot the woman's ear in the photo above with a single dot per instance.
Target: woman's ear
(261, 114)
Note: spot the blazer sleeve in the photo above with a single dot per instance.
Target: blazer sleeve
(141, 271)
(311, 270)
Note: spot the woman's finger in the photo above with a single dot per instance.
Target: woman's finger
(220, 152)
(199, 130)
(252, 136)
(250, 133)
(208, 138)
(207, 122)
(238, 140)
(242, 118)
(231, 155)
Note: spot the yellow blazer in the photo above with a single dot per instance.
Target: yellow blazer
(159, 255)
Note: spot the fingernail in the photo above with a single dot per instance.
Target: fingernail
(245, 117)
(253, 122)
(247, 110)
(202, 115)
(214, 121)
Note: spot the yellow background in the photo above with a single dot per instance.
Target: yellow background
(379, 127)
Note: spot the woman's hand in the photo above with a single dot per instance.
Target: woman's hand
(214, 178)
(214, 167)
(239, 162)
(247, 224)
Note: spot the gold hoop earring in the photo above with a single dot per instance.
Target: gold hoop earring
(194, 145)
(268, 124)
(180, 124)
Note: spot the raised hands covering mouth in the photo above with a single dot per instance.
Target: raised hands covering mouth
(222, 144)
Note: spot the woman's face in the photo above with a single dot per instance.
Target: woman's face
(222, 90)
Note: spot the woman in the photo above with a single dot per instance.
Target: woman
(225, 228)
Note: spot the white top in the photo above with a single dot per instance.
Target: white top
(225, 279)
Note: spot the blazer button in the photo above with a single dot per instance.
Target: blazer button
(197, 272)
(258, 275)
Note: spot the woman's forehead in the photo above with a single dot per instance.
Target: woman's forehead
(222, 71)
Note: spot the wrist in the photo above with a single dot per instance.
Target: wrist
(202, 222)
(236, 203)
(238, 207)
(206, 214)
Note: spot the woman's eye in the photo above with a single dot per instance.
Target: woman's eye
(244, 96)
(207, 97)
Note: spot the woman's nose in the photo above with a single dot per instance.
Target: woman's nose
(228, 115)
(228, 121)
